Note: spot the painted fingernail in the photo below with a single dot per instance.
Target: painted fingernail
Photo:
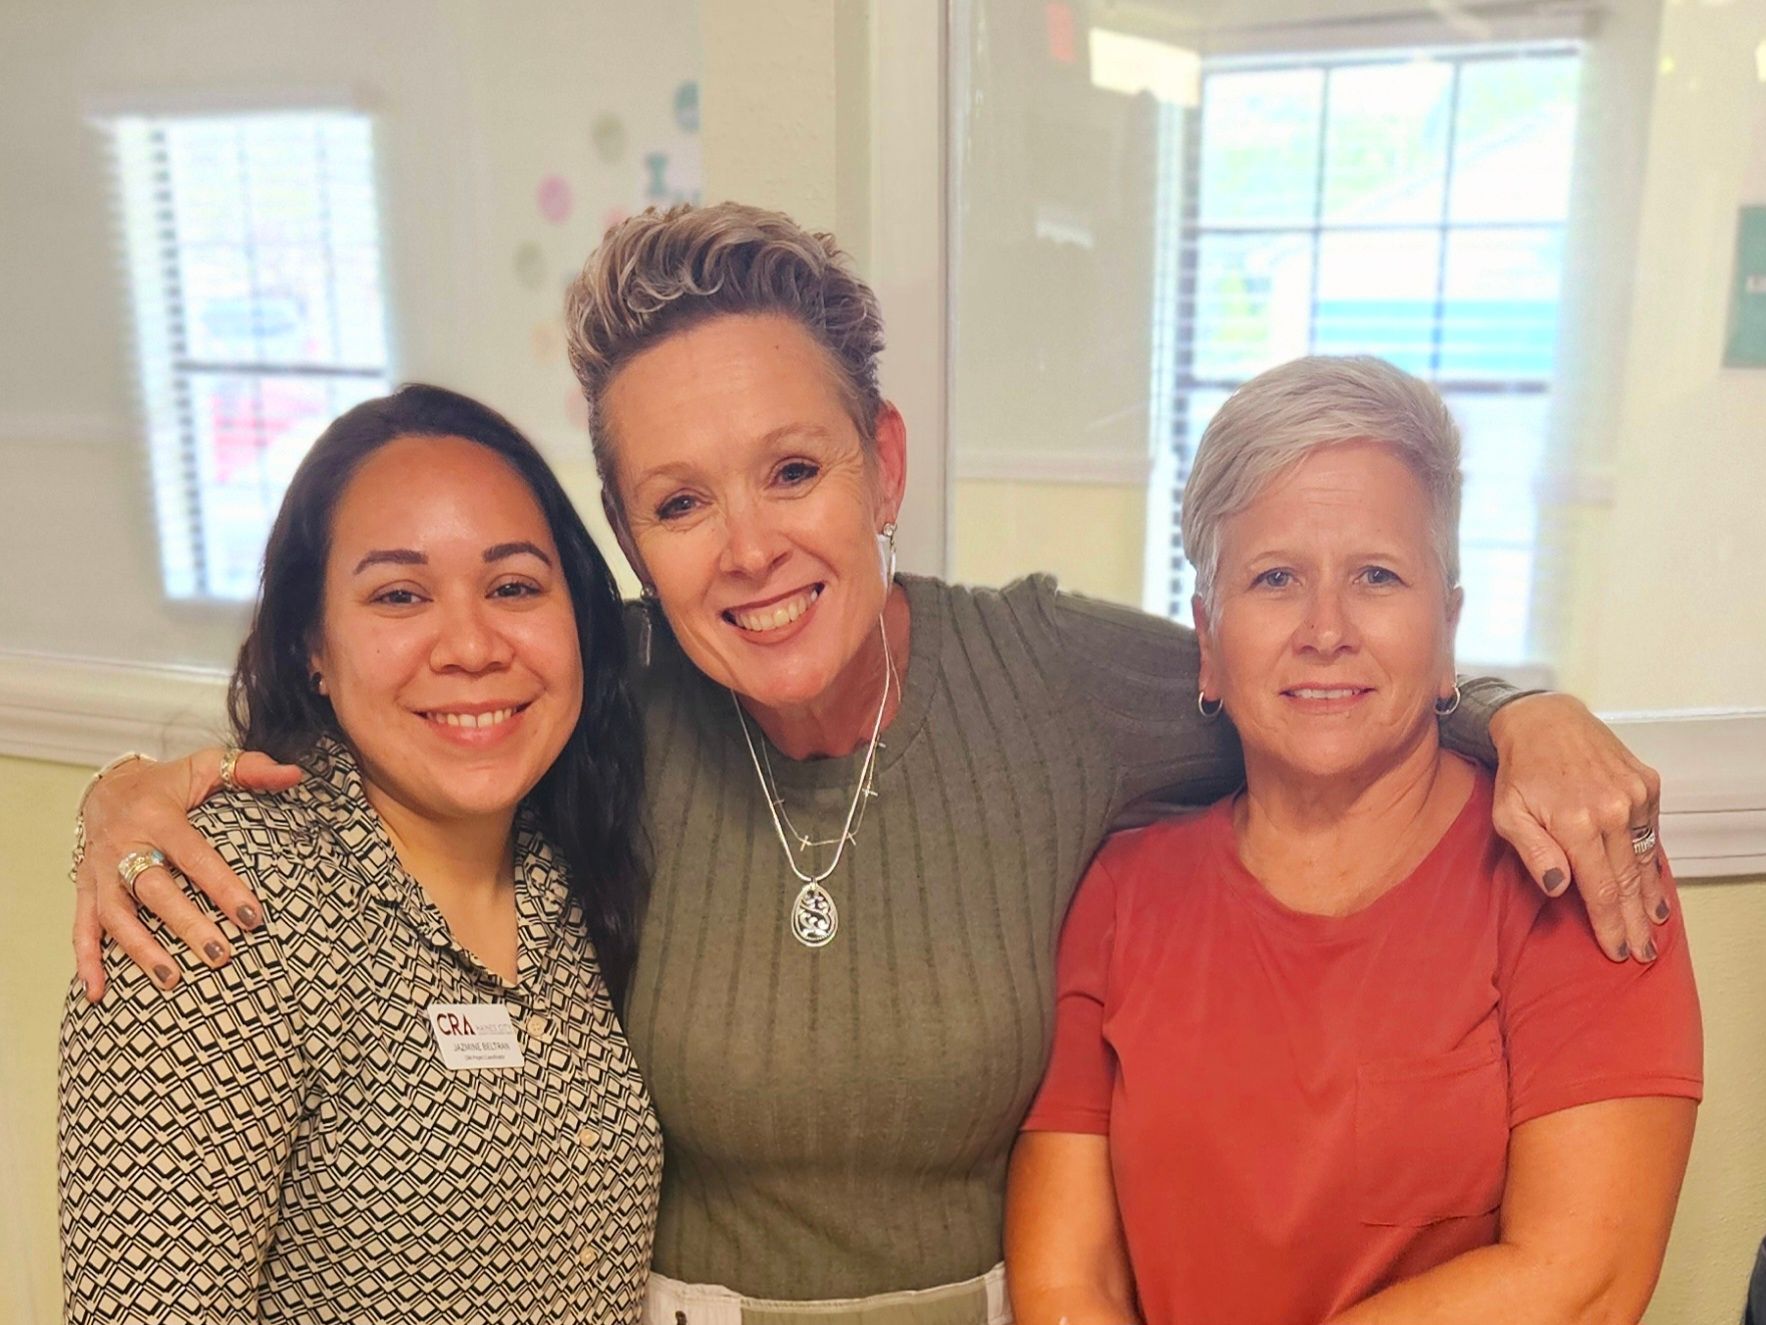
(1554, 882)
(163, 974)
(212, 951)
(1661, 912)
(1623, 954)
(1649, 951)
(249, 916)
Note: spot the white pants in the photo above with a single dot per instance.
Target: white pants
(979, 1301)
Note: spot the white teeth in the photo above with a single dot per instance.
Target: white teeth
(490, 719)
(780, 614)
(1313, 693)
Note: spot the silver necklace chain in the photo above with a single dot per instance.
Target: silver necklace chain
(814, 917)
(803, 840)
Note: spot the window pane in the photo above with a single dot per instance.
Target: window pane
(1503, 436)
(1515, 140)
(1260, 147)
(222, 321)
(1376, 295)
(1493, 624)
(1386, 145)
(1504, 439)
(1252, 299)
(250, 434)
(1500, 310)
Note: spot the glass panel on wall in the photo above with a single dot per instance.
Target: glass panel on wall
(1541, 209)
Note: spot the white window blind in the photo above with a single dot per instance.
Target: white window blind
(1409, 204)
(253, 262)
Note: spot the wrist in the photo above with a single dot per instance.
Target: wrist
(79, 849)
(121, 761)
(1545, 705)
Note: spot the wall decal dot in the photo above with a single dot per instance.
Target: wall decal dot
(554, 199)
(656, 172)
(530, 265)
(608, 135)
(687, 106)
(546, 342)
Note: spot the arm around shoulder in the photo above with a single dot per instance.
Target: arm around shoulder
(1137, 677)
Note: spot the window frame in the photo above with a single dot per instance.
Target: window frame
(164, 365)
(1167, 584)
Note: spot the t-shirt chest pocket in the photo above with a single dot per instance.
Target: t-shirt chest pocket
(1431, 1134)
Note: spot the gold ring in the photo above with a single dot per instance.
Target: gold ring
(230, 768)
(132, 866)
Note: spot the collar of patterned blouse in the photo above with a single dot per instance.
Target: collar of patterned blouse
(544, 908)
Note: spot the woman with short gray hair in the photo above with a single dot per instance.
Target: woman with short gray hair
(1322, 1053)
(1301, 406)
(871, 794)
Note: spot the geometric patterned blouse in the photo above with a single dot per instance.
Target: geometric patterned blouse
(281, 1140)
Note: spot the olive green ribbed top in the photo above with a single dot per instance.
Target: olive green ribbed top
(837, 1121)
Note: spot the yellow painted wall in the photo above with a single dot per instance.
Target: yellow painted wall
(36, 965)
(1722, 1211)
(1090, 536)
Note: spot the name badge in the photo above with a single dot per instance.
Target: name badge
(474, 1035)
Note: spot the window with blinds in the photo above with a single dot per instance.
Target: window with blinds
(253, 261)
(1412, 205)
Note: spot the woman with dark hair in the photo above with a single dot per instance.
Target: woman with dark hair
(409, 1093)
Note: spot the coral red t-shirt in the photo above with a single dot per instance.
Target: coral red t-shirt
(1305, 1109)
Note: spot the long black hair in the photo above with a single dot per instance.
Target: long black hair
(589, 803)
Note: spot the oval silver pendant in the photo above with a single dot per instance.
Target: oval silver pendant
(814, 917)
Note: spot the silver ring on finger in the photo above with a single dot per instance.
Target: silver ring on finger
(1643, 842)
(230, 768)
(132, 866)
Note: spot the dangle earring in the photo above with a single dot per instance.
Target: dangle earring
(886, 551)
(647, 597)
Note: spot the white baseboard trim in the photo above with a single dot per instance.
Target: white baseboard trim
(1713, 767)
(83, 711)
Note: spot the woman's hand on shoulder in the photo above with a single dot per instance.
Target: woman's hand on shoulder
(145, 806)
(1570, 798)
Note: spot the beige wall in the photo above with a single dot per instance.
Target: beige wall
(1088, 535)
(1722, 1210)
(1684, 537)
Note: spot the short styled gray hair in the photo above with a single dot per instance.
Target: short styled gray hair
(1282, 415)
(662, 272)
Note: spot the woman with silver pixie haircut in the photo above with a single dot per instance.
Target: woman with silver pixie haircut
(870, 794)
(1300, 407)
(1322, 1052)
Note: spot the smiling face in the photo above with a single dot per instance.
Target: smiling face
(448, 644)
(1331, 632)
(751, 506)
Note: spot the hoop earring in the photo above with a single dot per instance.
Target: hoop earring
(1209, 714)
(1443, 707)
(886, 551)
(647, 597)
